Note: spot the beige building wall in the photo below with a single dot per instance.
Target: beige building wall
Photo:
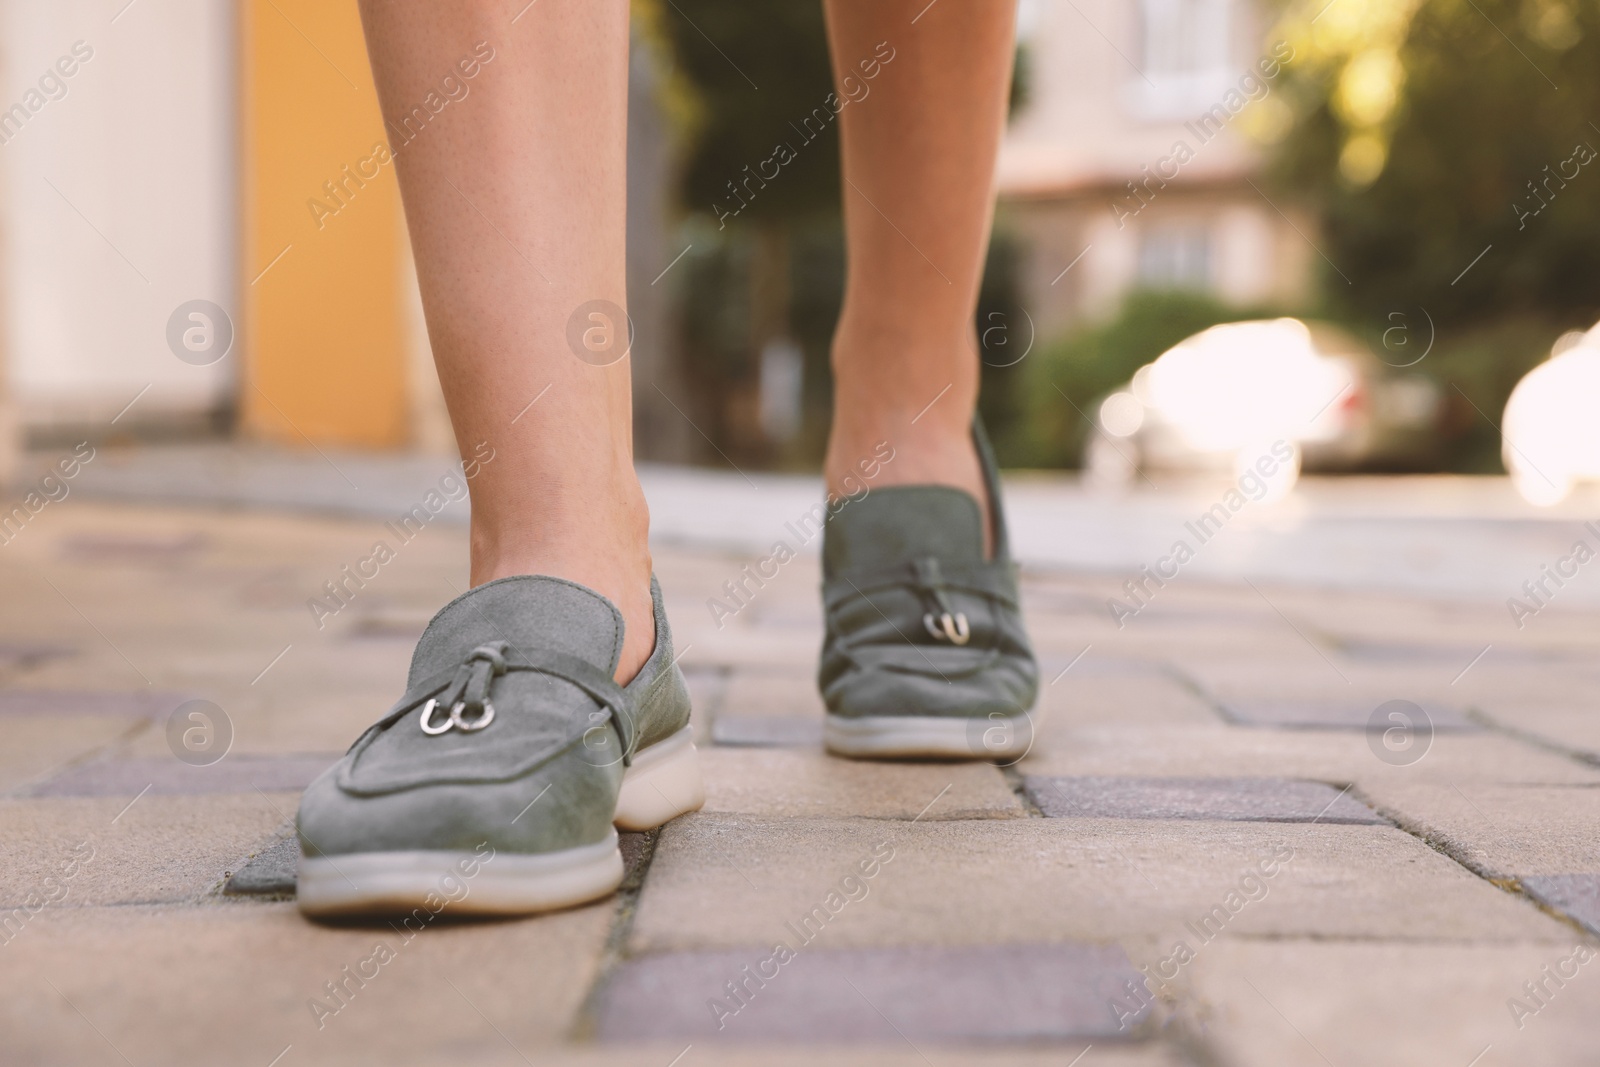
(1155, 93)
(117, 196)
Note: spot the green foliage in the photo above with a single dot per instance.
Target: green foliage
(1060, 385)
(1493, 92)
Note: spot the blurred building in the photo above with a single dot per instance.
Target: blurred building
(1128, 164)
(162, 269)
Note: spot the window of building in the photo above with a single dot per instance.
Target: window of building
(1174, 256)
(1183, 56)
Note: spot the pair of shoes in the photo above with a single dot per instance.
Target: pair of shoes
(496, 784)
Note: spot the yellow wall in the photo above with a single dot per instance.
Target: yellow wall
(324, 326)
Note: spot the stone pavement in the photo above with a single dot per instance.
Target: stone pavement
(1209, 857)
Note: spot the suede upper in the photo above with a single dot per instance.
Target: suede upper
(900, 561)
(556, 738)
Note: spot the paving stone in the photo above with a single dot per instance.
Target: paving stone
(1508, 831)
(1268, 1004)
(1240, 799)
(1082, 697)
(767, 731)
(771, 707)
(155, 848)
(235, 984)
(730, 881)
(1333, 714)
(1574, 895)
(774, 692)
(1338, 756)
(812, 784)
(1014, 993)
(231, 774)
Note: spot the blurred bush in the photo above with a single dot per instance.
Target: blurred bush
(1054, 391)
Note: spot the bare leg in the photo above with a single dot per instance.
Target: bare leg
(515, 196)
(919, 156)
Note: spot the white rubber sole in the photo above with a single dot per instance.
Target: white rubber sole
(663, 782)
(930, 737)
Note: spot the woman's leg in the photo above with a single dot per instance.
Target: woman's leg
(919, 155)
(515, 197)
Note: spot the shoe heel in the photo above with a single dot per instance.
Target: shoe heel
(663, 783)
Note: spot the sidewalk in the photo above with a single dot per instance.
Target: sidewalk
(1208, 858)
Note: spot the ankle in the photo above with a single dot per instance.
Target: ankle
(877, 448)
(603, 546)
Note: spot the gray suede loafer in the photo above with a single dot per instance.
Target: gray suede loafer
(924, 652)
(495, 785)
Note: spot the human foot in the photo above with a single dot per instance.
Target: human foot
(510, 697)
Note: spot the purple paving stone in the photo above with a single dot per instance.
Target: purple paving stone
(1222, 799)
(1577, 895)
(137, 703)
(888, 996)
(768, 731)
(1335, 714)
(270, 872)
(166, 775)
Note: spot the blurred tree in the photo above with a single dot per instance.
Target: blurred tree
(1450, 147)
(755, 106)
(1432, 130)
(758, 71)
(762, 158)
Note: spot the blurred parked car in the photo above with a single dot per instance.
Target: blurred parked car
(1550, 439)
(1218, 401)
